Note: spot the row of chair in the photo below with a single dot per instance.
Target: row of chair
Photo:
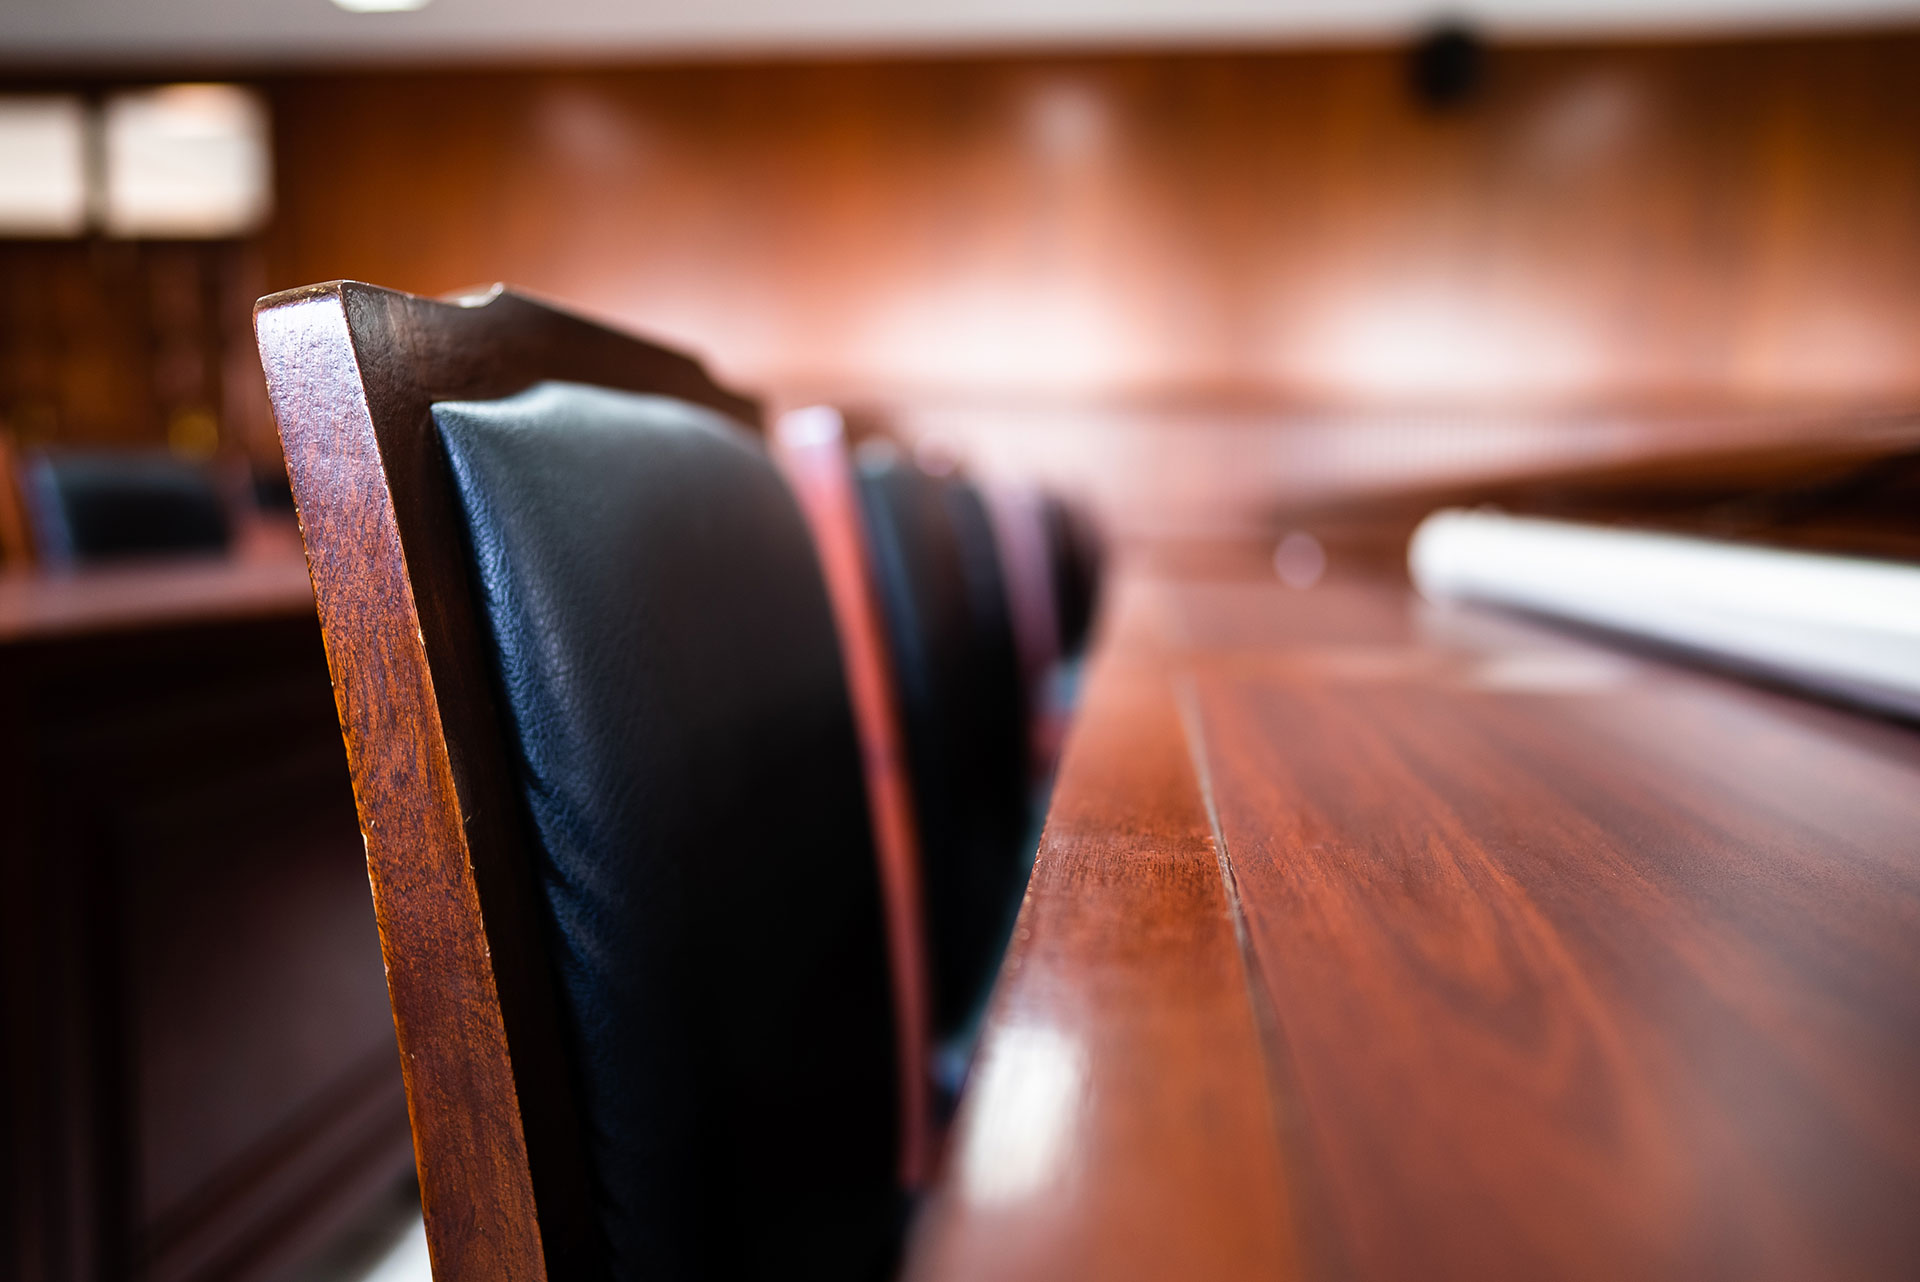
(695, 778)
(971, 598)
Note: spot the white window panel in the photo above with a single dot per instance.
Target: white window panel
(43, 166)
(186, 161)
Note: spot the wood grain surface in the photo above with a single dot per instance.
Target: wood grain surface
(1563, 962)
(1116, 1124)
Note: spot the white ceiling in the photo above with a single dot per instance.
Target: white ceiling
(314, 30)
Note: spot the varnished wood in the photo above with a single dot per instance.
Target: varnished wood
(1116, 1123)
(1566, 962)
(352, 371)
(130, 598)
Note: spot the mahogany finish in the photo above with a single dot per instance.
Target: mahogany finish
(1114, 1124)
(153, 593)
(1552, 961)
(197, 1076)
(352, 371)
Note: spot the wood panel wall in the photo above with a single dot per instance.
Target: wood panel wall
(1170, 280)
(1680, 221)
(116, 344)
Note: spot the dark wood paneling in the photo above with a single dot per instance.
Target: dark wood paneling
(203, 1078)
(116, 344)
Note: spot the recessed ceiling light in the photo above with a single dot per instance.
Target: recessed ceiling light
(380, 6)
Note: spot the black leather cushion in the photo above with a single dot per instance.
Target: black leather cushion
(963, 708)
(97, 506)
(672, 673)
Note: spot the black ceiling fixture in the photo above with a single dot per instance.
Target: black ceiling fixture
(1447, 67)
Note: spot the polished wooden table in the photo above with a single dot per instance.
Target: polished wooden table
(1371, 940)
(137, 597)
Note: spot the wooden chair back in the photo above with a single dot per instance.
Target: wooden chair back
(352, 371)
(811, 445)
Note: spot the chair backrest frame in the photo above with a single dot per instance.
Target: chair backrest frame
(352, 371)
(811, 447)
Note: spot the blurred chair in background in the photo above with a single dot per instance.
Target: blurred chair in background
(944, 601)
(988, 587)
(1052, 556)
(1020, 534)
(100, 506)
(1076, 560)
(1074, 555)
(617, 831)
(811, 445)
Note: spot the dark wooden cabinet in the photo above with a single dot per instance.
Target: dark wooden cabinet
(199, 1067)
